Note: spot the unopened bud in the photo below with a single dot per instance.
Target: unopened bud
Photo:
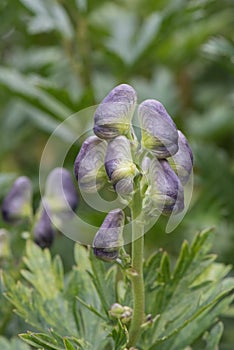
(113, 116)
(43, 230)
(159, 132)
(126, 315)
(60, 192)
(116, 310)
(165, 193)
(17, 204)
(89, 165)
(123, 313)
(108, 239)
(182, 161)
(119, 165)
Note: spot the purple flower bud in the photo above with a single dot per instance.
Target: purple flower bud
(89, 165)
(159, 133)
(165, 192)
(113, 116)
(17, 204)
(119, 165)
(60, 192)
(108, 239)
(43, 230)
(182, 161)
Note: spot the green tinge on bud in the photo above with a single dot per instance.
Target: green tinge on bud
(113, 116)
(17, 205)
(108, 239)
(116, 310)
(119, 165)
(89, 165)
(123, 313)
(182, 161)
(165, 193)
(159, 132)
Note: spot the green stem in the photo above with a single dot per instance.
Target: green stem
(137, 277)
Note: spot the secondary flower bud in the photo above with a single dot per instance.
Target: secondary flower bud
(60, 192)
(108, 239)
(43, 230)
(159, 133)
(182, 161)
(165, 193)
(89, 165)
(123, 313)
(17, 204)
(114, 114)
(119, 165)
(116, 310)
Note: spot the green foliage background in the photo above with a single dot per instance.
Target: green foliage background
(58, 57)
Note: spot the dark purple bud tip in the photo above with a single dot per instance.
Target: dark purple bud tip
(182, 161)
(43, 230)
(159, 132)
(60, 192)
(17, 205)
(89, 165)
(108, 239)
(113, 116)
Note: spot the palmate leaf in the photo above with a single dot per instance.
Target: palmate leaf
(67, 311)
(188, 299)
(49, 15)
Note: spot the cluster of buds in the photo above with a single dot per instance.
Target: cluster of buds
(122, 313)
(161, 156)
(60, 200)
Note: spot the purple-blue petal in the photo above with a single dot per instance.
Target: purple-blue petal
(60, 191)
(159, 132)
(113, 115)
(182, 161)
(89, 164)
(165, 190)
(108, 239)
(18, 201)
(43, 230)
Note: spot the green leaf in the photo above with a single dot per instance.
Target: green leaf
(92, 309)
(40, 339)
(187, 301)
(68, 344)
(49, 15)
(26, 87)
(213, 337)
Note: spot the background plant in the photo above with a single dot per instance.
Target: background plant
(180, 52)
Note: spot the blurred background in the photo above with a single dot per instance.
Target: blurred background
(58, 57)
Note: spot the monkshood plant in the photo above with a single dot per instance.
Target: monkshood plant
(110, 299)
